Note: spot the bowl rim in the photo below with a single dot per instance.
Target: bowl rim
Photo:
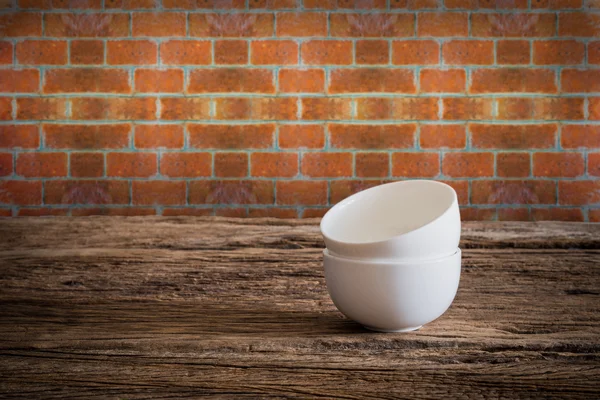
(357, 195)
(387, 262)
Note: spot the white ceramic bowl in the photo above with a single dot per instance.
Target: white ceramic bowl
(407, 220)
(392, 296)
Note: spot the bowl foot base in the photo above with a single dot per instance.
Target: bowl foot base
(414, 328)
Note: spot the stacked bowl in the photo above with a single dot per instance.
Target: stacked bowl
(392, 261)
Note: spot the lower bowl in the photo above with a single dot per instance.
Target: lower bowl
(392, 296)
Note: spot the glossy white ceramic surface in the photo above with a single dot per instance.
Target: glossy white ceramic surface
(392, 296)
(407, 220)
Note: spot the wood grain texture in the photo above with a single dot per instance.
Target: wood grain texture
(131, 308)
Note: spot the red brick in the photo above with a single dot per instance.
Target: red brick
(468, 52)
(231, 25)
(173, 108)
(580, 81)
(273, 165)
(540, 108)
(120, 211)
(362, 5)
(370, 137)
(274, 52)
(273, 213)
(462, 189)
(301, 80)
(158, 137)
(135, 52)
(87, 52)
(5, 108)
(231, 212)
(559, 52)
(86, 192)
(41, 212)
(513, 192)
(158, 24)
(557, 214)
(195, 212)
(129, 165)
(143, 108)
(594, 52)
(513, 214)
(580, 136)
(77, 5)
(6, 53)
(231, 165)
(87, 165)
(416, 165)
(86, 25)
(327, 165)
(417, 4)
(443, 24)
(443, 136)
(6, 164)
(524, 137)
(506, 80)
(594, 108)
(21, 24)
(231, 80)
(467, 108)
(556, 4)
(158, 80)
(299, 24)
(580, 24)
(593, 165)
(301, 136)
(513, 52)
(231, 136)
(371, 25)
(282, 108)
(87, 80)
(42, 52)
(568, 165)
(594, 215)
(186, 165)
(415, 52)
(579, 193)
(216, 4)
(314, 212)
(231, 52)
(400, 108)
(29, 108)
(320, 4)
(131, 4)
(362, 80)
(369, 108)
(443, 81)
(158, 192)
(20, 192)
(301, 192)
(273, 4)
(340, 189)
(326, 108)
(19, 136)
(503, 5)
(372, 52)
(518, 25)
(468, 164)
(80, 137)
(477, 214)
(231, 192)
(372, 165)
(185, 52)
(42, 165)
(513, 165)
(327, 52)
(19, 80)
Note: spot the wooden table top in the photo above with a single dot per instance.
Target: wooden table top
(157, 307)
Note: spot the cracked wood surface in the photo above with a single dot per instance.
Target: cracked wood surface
(128, 308)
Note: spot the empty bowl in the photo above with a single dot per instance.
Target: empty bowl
(392, 296)
(407, 220)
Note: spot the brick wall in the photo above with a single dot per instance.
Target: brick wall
(284, 107)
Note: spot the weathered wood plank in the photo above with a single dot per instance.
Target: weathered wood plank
(181, 307)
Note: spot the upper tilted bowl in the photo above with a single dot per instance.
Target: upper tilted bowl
(407, 220)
